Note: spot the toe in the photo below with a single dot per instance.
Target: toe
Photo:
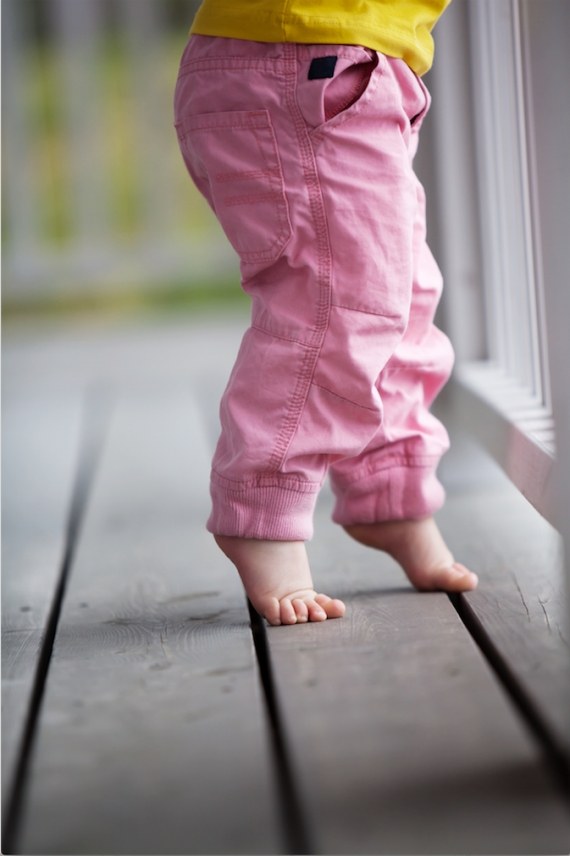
(288, 615)
(316, 611)
(333, 608)
(272, 612)
(470, 580)
(301, 610)
(458, 578)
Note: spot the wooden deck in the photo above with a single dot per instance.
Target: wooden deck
(140, 713)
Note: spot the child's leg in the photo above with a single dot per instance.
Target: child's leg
(322, 214)
(387, 494)
(246, 147)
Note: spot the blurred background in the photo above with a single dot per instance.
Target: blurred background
(98, 210)
(100, 216)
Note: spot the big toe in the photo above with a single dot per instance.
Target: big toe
(456, 578)
(333, 608)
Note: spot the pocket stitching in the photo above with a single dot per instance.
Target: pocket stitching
(253, 121)
(416, 123)
(351, 99)
(216, 121)
(278, 192)
(318, 134)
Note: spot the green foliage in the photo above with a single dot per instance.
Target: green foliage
(122, 179)
(170, 297)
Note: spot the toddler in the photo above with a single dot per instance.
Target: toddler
(298, 120)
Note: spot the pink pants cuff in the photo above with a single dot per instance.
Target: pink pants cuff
(399, 493)
(272, 512)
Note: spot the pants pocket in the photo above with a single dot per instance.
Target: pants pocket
(234, 160)
(348, 86)
(327, 102)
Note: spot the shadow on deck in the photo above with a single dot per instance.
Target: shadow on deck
(139, 716)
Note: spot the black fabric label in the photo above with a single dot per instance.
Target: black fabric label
(322, 66)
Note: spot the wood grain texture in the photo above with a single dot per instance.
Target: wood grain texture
(402, 740)
(40, 446)
(152, 736)
(520, 600)
(45, 374)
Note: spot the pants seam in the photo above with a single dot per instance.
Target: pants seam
(280, 336)
(366, 311)
(392, 463)
(342, 398)
(324, 265)
(284, 483)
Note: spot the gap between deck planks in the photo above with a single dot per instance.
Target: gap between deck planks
(152, 737)
(402, 739)
(520, 602)
(348, 567)
(40, 448)
(45, 374)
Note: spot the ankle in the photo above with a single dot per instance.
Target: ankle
(267, 567)
(386, 534)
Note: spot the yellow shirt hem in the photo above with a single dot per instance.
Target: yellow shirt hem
(271, 26)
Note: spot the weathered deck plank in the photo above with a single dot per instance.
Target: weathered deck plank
(520, 601)
(152, 735)
(40, 447)
(398, 742)
(402, 740)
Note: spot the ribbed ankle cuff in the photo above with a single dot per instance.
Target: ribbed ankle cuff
(271, 512)
(397, 493)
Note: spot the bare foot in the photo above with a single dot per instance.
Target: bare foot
(421, 551)
(278, 581)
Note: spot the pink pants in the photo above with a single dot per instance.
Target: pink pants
(311, 178)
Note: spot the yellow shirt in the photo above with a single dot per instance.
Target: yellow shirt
(398, 28)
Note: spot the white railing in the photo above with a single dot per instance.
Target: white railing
(502, 184)
(106, 129)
